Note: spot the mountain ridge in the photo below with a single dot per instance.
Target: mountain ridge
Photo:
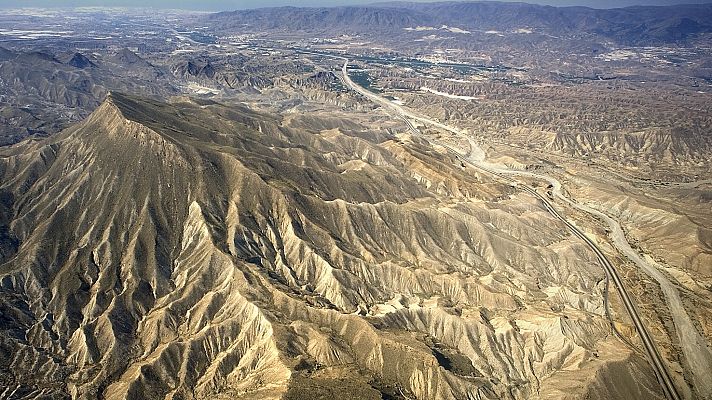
(629, 25)
(194, 249)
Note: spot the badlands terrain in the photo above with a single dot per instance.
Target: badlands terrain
(398, 201)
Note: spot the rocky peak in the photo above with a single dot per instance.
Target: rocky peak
(79, 60)
(127, 56)
(117, 115)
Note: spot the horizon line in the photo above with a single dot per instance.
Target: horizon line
(355, 4)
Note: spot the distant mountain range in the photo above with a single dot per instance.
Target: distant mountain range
(630, 25)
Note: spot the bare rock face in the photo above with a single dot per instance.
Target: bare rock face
(188, 251)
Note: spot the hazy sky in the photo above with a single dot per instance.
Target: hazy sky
(216, 5)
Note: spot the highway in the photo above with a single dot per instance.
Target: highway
(654, 357)
(476, 159)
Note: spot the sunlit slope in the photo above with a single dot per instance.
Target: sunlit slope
(194, 250)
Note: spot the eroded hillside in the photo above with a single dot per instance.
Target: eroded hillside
(196, 250)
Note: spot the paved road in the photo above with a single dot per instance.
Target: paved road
(654, 357)
(476, 158)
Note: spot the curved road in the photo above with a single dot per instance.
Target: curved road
(694, 346)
